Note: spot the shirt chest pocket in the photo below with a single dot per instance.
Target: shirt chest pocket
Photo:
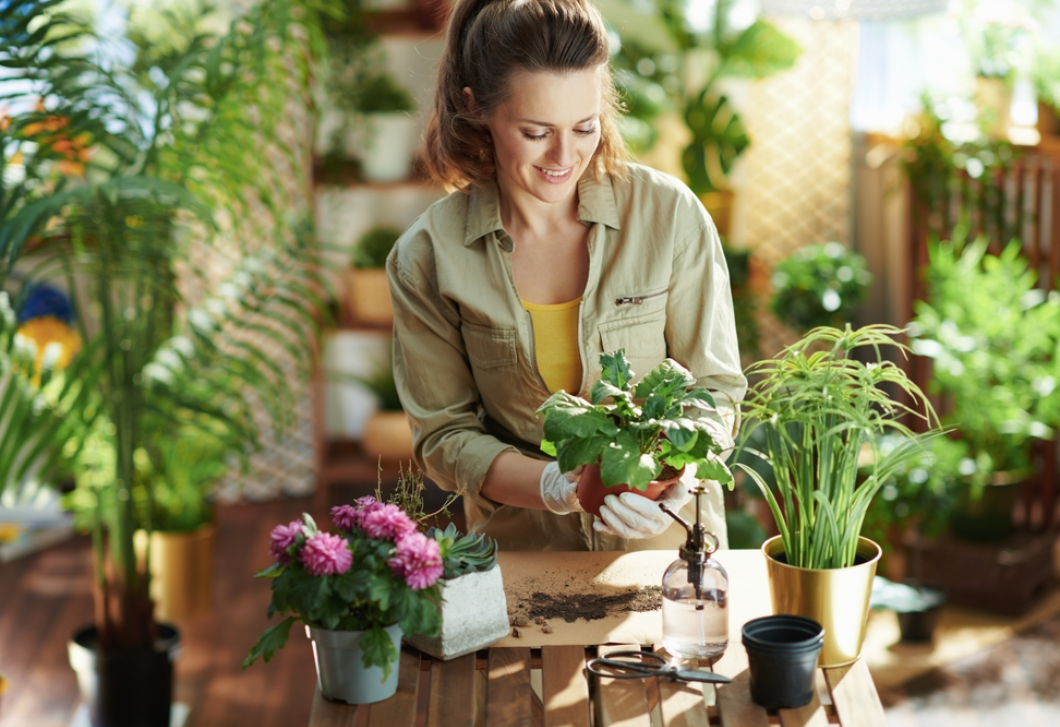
(642, 337)
(489, 347)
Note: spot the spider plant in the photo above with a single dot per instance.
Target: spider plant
(821, 408)
(153, 179)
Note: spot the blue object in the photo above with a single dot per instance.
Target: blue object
(46, 300)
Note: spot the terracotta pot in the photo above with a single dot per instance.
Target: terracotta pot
(387, 435)
(591, 489)
(369, 297)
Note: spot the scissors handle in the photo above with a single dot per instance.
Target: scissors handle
(698, 675)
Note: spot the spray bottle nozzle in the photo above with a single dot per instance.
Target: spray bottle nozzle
(694, 553)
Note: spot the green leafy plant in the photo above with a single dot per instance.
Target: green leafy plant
(373, 246)
(463, 554)
(819, 408)
(135, 186)
(819, 285)
(381, 93)
(633, 441)
(661, 62)
(374, 569)
(994, 340)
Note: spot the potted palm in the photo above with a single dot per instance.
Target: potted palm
(821, 406)
(992, 338)
(633, 436)
(142, 210)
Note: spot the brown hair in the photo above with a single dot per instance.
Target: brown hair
(487, 42)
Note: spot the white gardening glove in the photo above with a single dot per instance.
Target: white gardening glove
(559, 490)
(632, 516)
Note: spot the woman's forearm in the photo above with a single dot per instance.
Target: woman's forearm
(515, 479)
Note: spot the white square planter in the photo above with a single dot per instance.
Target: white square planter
(474, 616)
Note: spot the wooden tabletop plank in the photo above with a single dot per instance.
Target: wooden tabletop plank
(808, 715)
(400, 710)
(682, 704)
(508, 696)
(857, 703)
(331, 714)
(565, 686)
(735, 705)
(621, 702)
(451, 702)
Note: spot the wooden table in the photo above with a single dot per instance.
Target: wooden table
(545, 682)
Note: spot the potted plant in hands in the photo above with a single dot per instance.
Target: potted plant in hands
(630, 446)
(819, 410)
(474, 608)
(357, 589)
(369, 292)
(993, 338)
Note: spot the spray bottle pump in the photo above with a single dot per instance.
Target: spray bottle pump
(695, 593)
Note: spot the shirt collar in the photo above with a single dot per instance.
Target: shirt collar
(596, 204)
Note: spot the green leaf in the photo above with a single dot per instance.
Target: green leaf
(616, 370)
(718, 139)
(575, 452)
(378, 650)
(760, 50)
(621, 462)
(273, 639)
(563, 424)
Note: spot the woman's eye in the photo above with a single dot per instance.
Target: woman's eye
(533, 137)
(586, 132)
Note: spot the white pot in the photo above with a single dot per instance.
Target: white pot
(391, 144)
(474, 616)
(342, 675)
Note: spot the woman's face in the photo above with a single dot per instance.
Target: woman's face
(545, 134)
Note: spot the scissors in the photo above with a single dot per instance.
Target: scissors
(614, 667)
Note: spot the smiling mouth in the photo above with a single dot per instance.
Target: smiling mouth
(555, 173)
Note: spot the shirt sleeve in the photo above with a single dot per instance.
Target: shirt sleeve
(700, 325)
(433, 376)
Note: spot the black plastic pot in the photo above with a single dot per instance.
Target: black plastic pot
(125, 688)
(782, 654)
(918, 627)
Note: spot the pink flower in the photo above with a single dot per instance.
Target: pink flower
(326, 555)
(386, 522)
(281, 538)
(345, 517)
(417, 559)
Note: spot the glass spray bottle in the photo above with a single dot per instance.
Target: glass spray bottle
(695, 594)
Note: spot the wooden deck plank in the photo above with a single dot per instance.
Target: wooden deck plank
(808, 715)
(400, 710)
(452, 690)
(735, 705)
(564, 686)
(332, 714)
(508, 695)
(682, 704)
(621, 702)
(857, 703)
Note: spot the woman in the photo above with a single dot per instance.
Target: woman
(552, 250)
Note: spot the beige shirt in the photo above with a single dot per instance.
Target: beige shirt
(464, 359)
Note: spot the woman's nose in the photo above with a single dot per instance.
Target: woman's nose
(562, 152)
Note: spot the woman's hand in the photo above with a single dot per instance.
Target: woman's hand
(633, 517)
(559, 489)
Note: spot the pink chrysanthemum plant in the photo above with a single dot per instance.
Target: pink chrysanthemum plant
(374, 569)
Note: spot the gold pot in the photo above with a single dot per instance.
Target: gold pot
(369, 297)
(387, 435)
(837, 598)
(181, 571)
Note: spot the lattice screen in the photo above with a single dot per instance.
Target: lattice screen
(796, 185)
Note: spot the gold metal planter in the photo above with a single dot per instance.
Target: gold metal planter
(837, 598)
(181, 572)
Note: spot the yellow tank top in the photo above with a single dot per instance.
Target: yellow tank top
(556, 344)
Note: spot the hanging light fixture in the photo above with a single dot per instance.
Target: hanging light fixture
(853, 9)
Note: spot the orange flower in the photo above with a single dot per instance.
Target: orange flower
(75, 151)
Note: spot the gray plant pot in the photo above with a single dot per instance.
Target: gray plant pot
(474, 616)
(341, 673)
